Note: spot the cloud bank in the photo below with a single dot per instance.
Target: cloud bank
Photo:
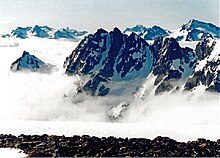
(51, 97)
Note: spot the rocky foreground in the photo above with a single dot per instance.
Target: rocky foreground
(61, 146)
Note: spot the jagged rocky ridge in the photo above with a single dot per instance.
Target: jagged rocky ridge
(109, 58)
(31, 63)
(45, 32)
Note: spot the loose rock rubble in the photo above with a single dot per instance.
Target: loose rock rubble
(61, 146)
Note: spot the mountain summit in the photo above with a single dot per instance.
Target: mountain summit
(109, 57)
(147, 33)
(196, 30)
(31, 63)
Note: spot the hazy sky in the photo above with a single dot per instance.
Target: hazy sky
(93, 14)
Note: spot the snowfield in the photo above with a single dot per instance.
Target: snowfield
(35, 103)
(178, 131)
(11, 153)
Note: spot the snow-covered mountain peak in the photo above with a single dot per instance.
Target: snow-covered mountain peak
(193, 23)
(45, 27)
(196, 30)
(147, 33)
(137, 28)
(190, 24)
(30, 62)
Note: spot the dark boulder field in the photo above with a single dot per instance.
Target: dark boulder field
(90, 146)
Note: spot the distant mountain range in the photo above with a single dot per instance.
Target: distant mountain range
(194, 30)
(46, 32)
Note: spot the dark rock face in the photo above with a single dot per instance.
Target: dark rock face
(155, 48)
(173, 63)
(206, 77)
(30, 62)
(203, 49)
(109, 57)
(195, 80)
(171, 51)
(90, 146)
(207, 72)
(164, 86)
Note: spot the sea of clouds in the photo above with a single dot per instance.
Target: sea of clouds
(52, 97)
